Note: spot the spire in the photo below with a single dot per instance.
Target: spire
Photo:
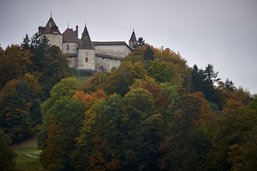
(133, 37)
(85, 42)
(132, 40)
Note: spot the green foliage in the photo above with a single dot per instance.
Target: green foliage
(204, 81)
(121, 78)
(148, 53)
(144, 115)
(14, 62)
(187, 145)
(94, 82)
(233, 140)
(63, 126)
(65, 88)
(26, 43)
(120, 134)
(18, 107)
(99, 140)
(140, 42)
(160, 71)
(55, 68)
(7, 155)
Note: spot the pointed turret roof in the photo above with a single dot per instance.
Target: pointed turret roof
(133, 37)
(50, 28)
(85, 42)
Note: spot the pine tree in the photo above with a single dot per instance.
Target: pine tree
(26, 43)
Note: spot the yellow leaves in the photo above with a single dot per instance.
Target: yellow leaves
(235, 157)
(205, 113)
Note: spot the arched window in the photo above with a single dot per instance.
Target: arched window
(86, 59)
(68, 47)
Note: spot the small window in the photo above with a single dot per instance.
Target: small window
(86, 59)
(68, 47)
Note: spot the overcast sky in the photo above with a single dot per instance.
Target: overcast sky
(218, 32)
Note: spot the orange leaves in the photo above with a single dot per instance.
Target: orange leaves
(89, 98)
(114, 164)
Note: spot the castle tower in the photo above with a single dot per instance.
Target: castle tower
(132, 40)
(52, 33)
(70, 46)
(86, 53)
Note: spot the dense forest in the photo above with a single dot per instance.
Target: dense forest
(153, 112)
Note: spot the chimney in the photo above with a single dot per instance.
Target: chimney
(77, 30)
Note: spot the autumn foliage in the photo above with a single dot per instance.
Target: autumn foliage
(153, 112)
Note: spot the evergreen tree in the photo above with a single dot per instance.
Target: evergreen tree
(204, 81)
(148, 53)
(140, 42)
(26, 43)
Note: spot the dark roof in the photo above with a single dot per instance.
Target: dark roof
(72, 55)
(85, 42)
(121, 43)
(133, 37)
(70, 36)
(99, 55)
(50, 28)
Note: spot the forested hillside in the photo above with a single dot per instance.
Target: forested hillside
(153, 112)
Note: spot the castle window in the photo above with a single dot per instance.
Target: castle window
(86, 59)
(68, 47)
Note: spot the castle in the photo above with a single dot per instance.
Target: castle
(84, 54)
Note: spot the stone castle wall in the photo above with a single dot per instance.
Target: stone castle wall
(54, 39)
(113, 50)
(86, 59)
(69, 47)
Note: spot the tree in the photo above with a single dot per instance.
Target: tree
(188, 142)
(142, 131)
(148, 53)
(64, 123)
(120, 133)
(55, 68)
(38, 53)
(140, 42)
(204, 81)
(7, 155)
(98, 146)
(19, 104)
(234, 138)
(121, 78)
(26, 43)
(88, 99)
(160, 71)
(14, 62)
(65, 88)
(230, 85)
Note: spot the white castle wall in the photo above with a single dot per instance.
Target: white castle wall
(114, 50)
(106, 63)
(54, 39)
(69, 48)
(86, 59)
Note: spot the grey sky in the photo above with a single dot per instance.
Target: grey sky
(219, 32)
